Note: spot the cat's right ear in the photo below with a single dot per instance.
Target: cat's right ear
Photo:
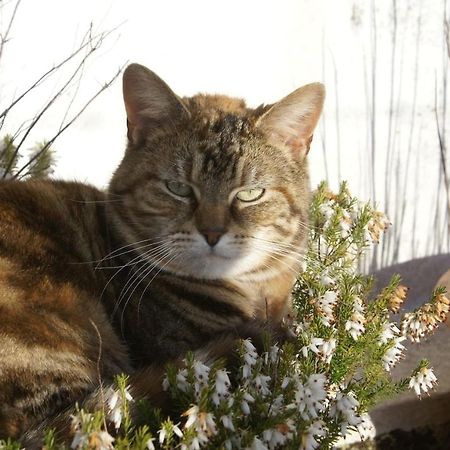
(149, 102)
(290, 123)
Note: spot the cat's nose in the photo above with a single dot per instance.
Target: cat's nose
(213, 236)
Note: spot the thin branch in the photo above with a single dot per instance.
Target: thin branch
(4, 37)
(67, 125)
(87, 40)
(63, 89)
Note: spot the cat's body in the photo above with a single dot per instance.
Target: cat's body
(200, 234)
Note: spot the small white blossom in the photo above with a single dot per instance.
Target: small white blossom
(227, 422)
(80, 440)
(222, 386)
(182, 382)
(394, 353)
(115, 405)
(278, 436)
(325, 307)
(257, 445)
(390, 331)
(309, 441)
(245, 407)
(366, 428)
(310, 396)
(423, 381)
(250, 358)
(261, 384)
(150, 445)
(201, 372)
(355, 326)
(101, 440)
(323, 348)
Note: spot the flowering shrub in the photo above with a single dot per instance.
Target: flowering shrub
(305, 393)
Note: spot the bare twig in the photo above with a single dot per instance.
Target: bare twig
(20, 173)
(4, 37)
(88, 40)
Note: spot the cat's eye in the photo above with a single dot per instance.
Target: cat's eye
(178, 188)
(250, 195)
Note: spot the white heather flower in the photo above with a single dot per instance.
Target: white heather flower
(177, 430)
(327, 211)
(287, 380)
(250, 358)
(390, 331)
(345, 405)
(326, 280)
(162, 435)
(201, 372)
(222, 386)
(227, 422)
(245, 407)
(101, 440)
(257, 445)
(201, 420)
(366, 428)
(345, 224)
(165, 383)
(308, 440)
(250, 355)
(325, 307)
(274, 352)
(150, 445)
(248, 397)
(423, 380)
(182, 383)
(163, 432)
(261, 384)
(415, 326)
(80, 440)
(115, 405)
(394, 353)
(310, 396)
(277, 405)
(355, 326)
(322, 348)
(278, 436)
(204, 425)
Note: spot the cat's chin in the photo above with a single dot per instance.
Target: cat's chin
(215, 266)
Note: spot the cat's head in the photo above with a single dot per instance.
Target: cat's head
(210, 188)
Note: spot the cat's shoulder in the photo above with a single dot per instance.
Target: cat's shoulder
(47, 191)
(46, 199)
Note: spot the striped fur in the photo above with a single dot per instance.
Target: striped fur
(93, 284)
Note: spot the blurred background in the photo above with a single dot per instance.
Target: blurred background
(385, 64)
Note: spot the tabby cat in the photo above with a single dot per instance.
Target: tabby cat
(200, 233)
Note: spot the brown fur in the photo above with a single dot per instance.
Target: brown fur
(94, 284)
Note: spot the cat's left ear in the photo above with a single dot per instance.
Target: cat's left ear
(290, 122)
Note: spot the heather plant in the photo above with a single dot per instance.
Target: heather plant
(304, 393)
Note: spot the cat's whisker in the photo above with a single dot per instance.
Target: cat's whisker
(142, 278)
(113, 253)
(151, 280)
(139, 259)
(286, 249)
(270, 254)
(141, 273)
(136, 249)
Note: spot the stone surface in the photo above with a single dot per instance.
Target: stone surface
(403, 422)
